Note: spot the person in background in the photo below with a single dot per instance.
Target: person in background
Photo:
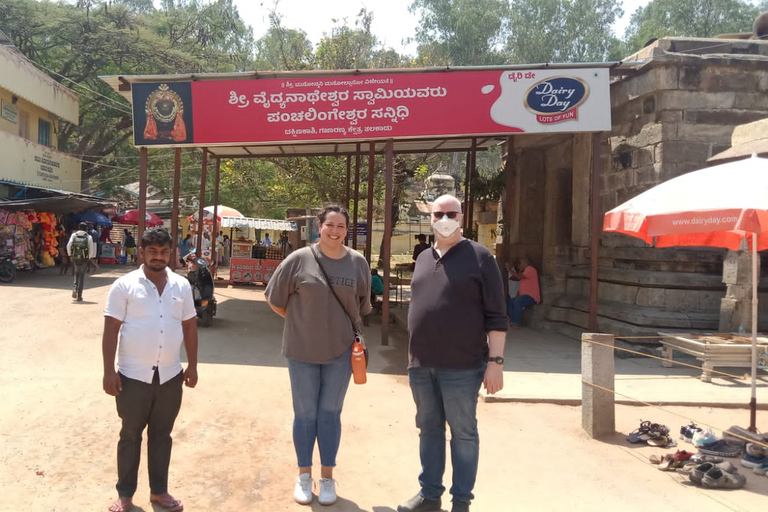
(93, 263)
(377, 285)
(267, 242)
(319, 359)
(185, 246)
(528, 294)
(226, 244)
(149, 313)
(81, 249)
(421, 246)
(130, 245)
(457, 327)
(64, 260)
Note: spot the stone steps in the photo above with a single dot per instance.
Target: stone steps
(620, 318)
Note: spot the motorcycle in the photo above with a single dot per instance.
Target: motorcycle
(199, 276)
(7, 267)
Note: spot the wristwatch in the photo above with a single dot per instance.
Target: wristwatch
(497, 359)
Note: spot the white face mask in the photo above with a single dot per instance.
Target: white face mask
(445, 227)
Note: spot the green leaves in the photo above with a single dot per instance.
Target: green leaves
(693, 18)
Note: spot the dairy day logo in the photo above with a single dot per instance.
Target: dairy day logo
(556, 99)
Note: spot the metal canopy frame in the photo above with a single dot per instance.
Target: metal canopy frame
(122, 84)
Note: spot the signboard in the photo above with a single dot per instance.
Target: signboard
(247, 270)
(26, 162)
(9, 111)
(373, 106)
(362, 235)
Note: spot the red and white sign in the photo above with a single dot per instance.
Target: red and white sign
(398, 105)
(247, 270)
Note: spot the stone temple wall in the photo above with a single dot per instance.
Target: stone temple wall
(678, 109)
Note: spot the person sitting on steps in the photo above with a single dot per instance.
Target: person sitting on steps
(529, 292)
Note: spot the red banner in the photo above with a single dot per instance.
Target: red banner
(371, 106)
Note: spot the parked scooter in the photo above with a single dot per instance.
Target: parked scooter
(199, 276)
(7, 267)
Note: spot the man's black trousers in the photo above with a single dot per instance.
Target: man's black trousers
(155, 407)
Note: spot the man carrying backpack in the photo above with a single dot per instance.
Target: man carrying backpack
(80, 248)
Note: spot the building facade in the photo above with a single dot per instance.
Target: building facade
(32, 105)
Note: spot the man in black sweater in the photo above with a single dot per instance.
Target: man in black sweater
(457, 325)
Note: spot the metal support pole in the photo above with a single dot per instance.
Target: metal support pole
(387, 243)
(509, 168)
(347, 185)
(215, 234)
(595, 231)
(755, 278)
(142, 198)
(175, 208)
(369, 211)
(471, 207)
(200, 224)
(466, 190)
(357, 196)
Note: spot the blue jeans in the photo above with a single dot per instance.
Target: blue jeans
(447, 395)
(516, 306)
(318, 392)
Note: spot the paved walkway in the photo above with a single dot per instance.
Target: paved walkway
(545, 367)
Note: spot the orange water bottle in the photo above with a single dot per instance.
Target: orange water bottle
(358, 361)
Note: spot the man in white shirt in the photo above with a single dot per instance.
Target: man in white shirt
(267, 242)
(80, 249)
(152, 311)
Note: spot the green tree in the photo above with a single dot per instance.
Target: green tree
(562, 30)
(693, 18)
(283, 48)
(461, 32)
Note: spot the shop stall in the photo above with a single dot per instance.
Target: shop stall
(32, 238)
(252, 262)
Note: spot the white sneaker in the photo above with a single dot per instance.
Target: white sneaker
(327, 494)
(302, 493)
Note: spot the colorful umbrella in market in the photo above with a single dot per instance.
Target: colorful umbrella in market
(132, 217)
(221, 211)
(715, 207)
(95, 218)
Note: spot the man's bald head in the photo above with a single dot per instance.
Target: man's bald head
(446, 203)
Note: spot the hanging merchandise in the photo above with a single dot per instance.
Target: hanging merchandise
(30, 237)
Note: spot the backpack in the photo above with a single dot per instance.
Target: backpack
(80, 246)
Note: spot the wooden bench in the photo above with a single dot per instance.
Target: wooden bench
(716, 349)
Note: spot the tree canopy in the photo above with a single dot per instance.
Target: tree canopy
(79, 40)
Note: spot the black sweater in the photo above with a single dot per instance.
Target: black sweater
(455, 301)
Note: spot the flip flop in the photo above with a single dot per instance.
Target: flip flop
(168, 503)
(119, 506)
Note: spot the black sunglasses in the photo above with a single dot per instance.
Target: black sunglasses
(439, 215)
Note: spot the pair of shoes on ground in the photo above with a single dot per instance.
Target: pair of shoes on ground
(165, 502)
(302, 492)
(755, 457)
(671, 461)
(710, 475)
(654, 434)
(721, 448)
(688, 431)
(421, 504)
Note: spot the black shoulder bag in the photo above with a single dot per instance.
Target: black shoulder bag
(358, 334)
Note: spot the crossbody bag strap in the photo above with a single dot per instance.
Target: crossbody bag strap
(328, 281)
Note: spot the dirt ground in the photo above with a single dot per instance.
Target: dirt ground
(233, 449)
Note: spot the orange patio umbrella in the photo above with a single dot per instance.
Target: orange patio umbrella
(715, 207)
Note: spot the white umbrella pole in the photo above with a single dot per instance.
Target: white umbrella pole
(753, 400)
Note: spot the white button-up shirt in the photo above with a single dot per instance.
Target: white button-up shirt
(151, 333)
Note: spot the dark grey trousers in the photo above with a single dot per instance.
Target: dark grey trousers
(155, 407)
(80, 268)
